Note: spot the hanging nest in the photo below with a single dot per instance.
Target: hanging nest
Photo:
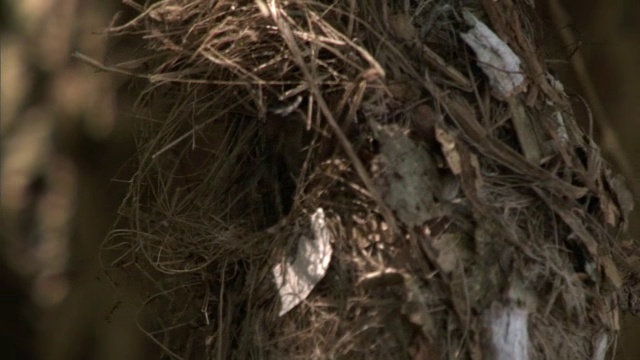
(420, 148)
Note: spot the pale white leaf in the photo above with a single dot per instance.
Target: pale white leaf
(296, 280)
(495, 58)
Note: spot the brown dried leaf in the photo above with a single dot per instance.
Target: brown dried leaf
(416, 307)
(460, 296)
(401, 26)
(423, 121)
(463, 164)
(607, 310)
(475, 164)
(611, 271)
(403, 91)
(624, 197)
(610, 210)
(448, 145)
(451, 251)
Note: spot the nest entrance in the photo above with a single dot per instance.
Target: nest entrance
(461, 202)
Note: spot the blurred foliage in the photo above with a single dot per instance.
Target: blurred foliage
(62, 144)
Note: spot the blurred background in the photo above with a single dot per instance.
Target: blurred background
(66, 133)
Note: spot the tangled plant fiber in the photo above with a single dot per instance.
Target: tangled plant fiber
(461, 213)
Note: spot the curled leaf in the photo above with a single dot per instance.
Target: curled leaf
(296, 280)
(495, 58)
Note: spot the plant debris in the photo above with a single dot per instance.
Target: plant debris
(442, 219)
(495, 58)
(296, 280)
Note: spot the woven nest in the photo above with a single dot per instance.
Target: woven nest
(468, 216)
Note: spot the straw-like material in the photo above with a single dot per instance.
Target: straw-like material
(458, 213)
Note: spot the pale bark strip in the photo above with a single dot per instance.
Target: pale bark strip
(508, 334)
